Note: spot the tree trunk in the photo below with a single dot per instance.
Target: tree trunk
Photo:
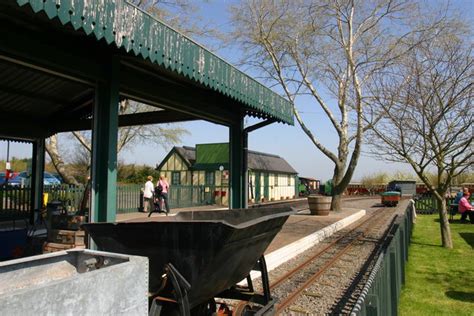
(443, 221)
(336, 203)
(52, 150)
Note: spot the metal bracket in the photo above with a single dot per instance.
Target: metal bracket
(259, 125)
(181, 287)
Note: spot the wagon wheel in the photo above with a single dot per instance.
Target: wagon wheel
(212, 306)
(205, 309)
(241, 309)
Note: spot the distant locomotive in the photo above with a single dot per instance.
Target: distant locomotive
(307, 186)
(396, 189)
(390, 198)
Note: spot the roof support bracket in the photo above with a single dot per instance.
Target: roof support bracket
(259, 125)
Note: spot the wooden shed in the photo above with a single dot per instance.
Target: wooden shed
(270, 177)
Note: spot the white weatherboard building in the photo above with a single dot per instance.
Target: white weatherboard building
(201, 174)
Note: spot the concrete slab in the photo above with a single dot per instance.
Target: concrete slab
(302, 232)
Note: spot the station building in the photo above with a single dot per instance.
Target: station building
(201, 174)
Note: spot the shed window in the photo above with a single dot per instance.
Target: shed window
(176, 178)
(210, 178)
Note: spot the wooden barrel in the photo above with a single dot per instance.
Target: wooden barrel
(319, 205)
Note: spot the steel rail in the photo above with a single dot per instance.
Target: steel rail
(295, 270)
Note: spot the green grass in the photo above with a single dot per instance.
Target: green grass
(439, 281)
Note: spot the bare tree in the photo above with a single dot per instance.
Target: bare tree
(467, 177)
(326, 51)
(57, 160)
(132, 135)
(154, 135)
(374, 182)
(428, 122)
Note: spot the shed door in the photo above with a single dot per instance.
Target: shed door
(257, 187)
(266, 187)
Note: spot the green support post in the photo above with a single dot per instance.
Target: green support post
(258, 187)
(37, 174)
(238, 170)
(266, 186)
(104, 147)
(245, 171)
(297, 189)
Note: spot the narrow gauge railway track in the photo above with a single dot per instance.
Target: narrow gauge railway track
(301, 204)
(305, 274)
(298, 205)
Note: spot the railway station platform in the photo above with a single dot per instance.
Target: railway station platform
(300, 232)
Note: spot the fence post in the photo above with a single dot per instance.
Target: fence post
(372, 305)
(393, 282)
(403, 255)
(140, 202)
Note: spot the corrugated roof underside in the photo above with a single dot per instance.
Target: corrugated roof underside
(33, 94)
(138, 33)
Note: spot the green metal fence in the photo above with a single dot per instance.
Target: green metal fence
(70, 195)
(429, 204)
(14, 198)
(381, 293)
(190, 195)
(129, 197)
(14, 203)
(426, 205)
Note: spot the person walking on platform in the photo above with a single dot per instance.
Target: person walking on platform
(465, 208)
(164, 192)
(148, 195)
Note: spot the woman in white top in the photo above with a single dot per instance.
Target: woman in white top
(148, 195)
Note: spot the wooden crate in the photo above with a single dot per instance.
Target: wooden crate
(70, 237)
(53, 247)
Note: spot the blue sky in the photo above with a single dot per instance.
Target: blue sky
(286, 141)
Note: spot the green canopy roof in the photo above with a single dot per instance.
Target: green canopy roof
(142, 35)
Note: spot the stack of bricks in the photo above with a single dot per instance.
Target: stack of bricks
(61, 239)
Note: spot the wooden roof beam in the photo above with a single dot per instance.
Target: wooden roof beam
(145, 118)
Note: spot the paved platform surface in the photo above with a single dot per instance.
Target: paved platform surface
(302, 224)
(303, 231)
(134, 215)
